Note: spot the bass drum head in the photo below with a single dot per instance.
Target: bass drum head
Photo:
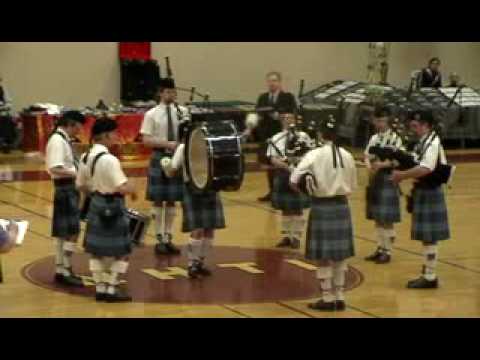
(198, 162)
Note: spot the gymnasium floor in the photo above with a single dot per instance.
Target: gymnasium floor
(253, 229)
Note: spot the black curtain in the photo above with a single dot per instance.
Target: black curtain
(139, 80)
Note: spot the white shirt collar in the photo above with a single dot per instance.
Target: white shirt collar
(60, 130)
(100, 147)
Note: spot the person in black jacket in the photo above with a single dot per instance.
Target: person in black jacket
(8, 131)
(268, 106)
(431, 77)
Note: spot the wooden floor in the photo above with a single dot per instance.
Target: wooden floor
(255, 225)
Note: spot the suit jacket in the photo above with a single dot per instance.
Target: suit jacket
(430, 79)
(268, 126)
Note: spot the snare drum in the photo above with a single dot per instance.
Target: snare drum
(138, 226)
(214, 158)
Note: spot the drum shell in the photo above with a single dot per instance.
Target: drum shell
(225, 158)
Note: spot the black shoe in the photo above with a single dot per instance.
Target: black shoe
(374, 256)
(119, 296)
(340, 305)
(100, 297)
(194, 271)
(58, 278)
(295, 244)
(72, 280)
(322, 306)
(286, 242)
(384, 258)
(265, 198)
(166, 249)
(422, 283)
(203, 270)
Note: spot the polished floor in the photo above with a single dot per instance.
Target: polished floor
(252, 225)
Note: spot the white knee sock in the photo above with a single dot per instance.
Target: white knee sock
(325, 275)
(169, 219)
(68, 249)
(391, 234)
(117, 268)
(206, 247)
(286, 225)
(158, 219)
(431, 254)
(298, 224)
(97, 270)
(380, 237)
(59, 256)
(339, 271)
(387, 241)
(194, 250)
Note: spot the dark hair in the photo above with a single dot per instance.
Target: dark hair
(382, 111)
(103, 125)
(70, 118)
(433, 60)
(275, 73)
(422, 116)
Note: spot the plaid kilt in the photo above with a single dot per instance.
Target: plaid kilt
(383, 202)
(202, 210)
(107, 239)
(330, 230)
(66, 212)
(159, 186)
(429, 218)
(284, 198)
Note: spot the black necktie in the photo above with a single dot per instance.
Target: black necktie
(171, 132)
(272, 99)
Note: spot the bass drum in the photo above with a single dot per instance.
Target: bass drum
(214, 158)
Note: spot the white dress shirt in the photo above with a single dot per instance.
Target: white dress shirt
(387, 138)
(155, 121)
(281, 139)
(108, 174)
(431, 153)
(330, 181)
(59, 153)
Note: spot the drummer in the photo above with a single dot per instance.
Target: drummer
(107, 233)
(202, 214)
(160, 132)
(290, 203)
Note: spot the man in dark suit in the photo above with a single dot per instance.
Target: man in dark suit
(268, 106)
(8, 131)
(431, 76)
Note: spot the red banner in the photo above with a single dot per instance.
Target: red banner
(135, 50)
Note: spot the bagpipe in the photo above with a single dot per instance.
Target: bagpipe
(403, 160)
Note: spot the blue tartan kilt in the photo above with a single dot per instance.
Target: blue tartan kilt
(159, 186)
(430, 217)
(383, 204)
(330, 230)
(202, 210)
(66, 211)
(284, 198)
(107, 238)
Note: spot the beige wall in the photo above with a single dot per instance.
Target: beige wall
(78, 74)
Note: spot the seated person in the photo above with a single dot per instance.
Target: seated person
(431, 77)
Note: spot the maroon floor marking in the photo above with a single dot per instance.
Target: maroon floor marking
(279, 282)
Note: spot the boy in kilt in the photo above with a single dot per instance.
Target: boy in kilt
(383, 196)
(160, 132)
(62, 166)
(330, 230)
(202, 215)
(107, 235)
(288, 201)
(430, 217)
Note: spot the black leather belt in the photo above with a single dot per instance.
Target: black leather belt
(65, 181)
(111, 196)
